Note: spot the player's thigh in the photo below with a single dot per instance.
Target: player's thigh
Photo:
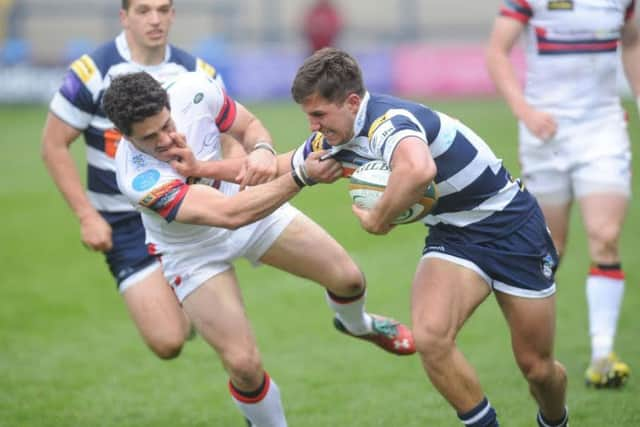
(532, 326)
(217, 311)
(155, 308)
(444, 295)
(307, 250)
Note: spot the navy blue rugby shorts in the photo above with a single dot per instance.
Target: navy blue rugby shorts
(129, 254)
(522, 263)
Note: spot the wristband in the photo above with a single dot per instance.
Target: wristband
(265, 146)
(301, 171)
(300, 183)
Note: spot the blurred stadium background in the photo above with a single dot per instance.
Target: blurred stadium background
(69, 355)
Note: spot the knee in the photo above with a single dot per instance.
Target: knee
(166, 347)
(348, 281)
(244, 368)
(603, 239)
(432, 343)
(537, 370)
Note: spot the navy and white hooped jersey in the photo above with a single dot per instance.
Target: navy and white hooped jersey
(78, 102)
(571, 53)
(476, 193)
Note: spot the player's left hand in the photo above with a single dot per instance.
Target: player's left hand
(260, 166)
(368, 221)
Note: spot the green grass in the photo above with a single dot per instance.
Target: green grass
(70, 356)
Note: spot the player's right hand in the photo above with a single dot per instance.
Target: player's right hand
(327, 170)
(96, 233)
(540, 123)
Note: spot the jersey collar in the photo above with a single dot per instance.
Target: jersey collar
(361, 116)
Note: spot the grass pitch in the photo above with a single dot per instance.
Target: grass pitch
(70, 356)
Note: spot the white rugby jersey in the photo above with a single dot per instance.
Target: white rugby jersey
(475, 190)
(78, 102)
(571, 53)
(201, 110)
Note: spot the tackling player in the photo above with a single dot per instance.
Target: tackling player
(486, 233)
(573, 137)
(108, 222)
(169, 166)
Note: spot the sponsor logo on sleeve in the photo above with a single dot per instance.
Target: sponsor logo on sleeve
(145, 180)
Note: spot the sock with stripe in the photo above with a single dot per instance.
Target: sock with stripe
(350, 311)
(543, 422)
(605, 289)
(262, 407)
(483, 415)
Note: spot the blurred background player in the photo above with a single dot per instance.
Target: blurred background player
(573, 137)
(322, 25)
(169, 165)
(486, 233)
(108, 222)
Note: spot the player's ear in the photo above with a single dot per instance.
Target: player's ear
(353, 102)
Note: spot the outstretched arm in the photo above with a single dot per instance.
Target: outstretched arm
(204, 205)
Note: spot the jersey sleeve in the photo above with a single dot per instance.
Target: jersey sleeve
(519, 10)
(220, 105)
(389, 129)
(75, 102)
(150, 184)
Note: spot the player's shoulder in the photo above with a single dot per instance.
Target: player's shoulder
(98, 61)
(192, 88)
(191, 62)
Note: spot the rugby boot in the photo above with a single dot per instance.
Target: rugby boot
(388, 334)
(608, 372)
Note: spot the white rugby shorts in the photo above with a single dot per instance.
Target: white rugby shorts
(583, 158)
(188, 269)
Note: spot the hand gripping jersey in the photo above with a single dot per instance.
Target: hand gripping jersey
(476, 192)
(78, 103)
(201, 110)
(571, 51)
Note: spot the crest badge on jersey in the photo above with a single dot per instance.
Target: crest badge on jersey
(560, 5)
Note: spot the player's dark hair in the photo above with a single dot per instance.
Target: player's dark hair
(330, 72)
(127, 3)
(132, 98)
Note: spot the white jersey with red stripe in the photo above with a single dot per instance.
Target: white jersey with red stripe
(571, 52)
(201, 110)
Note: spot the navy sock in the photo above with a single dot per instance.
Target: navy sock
(483, 415)
(543, 422)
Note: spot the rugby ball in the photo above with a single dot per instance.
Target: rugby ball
(368, 182)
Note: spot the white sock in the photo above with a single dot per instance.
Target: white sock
(263, 407)
(350, 311)
(605, 289)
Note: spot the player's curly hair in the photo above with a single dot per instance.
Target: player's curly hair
(330, 72)
(132, 98)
